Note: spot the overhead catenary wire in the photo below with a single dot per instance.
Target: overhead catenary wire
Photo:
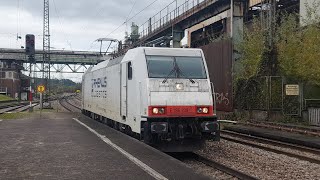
(132, 7)
(98, 12)
(142, 10)
(59, 19)
(18, 33)
(128, 19)
(18, 17)
(131, 10)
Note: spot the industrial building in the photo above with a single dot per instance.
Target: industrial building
(11, 79)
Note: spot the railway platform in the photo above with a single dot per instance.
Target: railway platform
(71, 146)
(289, 137)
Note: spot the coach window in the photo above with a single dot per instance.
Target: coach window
(129, 71)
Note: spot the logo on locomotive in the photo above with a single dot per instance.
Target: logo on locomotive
(99, 86)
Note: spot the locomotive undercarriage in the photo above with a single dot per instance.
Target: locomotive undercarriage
(180, 134)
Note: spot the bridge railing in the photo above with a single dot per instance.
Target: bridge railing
(168, 15)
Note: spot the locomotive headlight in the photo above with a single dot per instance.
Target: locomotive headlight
(161, 110)
(155, 110)
(179, 86)
(205, 110)
(158, 110)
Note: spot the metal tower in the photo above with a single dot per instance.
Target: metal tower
(268, 18)
(46, 49)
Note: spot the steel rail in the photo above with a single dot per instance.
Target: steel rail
(9, 109)
(24, 108)
(7, 105)
(78, 98)
(224, 168)
(301, 157)
(272, 142)
(287, 128)
(72, 104)
(64, 106)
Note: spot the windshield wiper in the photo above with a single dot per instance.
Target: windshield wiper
(180, 72)
(166, 78)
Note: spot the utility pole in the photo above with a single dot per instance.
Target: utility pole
(270, 64)
(46, 52)
(30, 52)
(268, 18)
(268, 24)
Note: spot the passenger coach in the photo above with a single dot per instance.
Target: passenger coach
(161, 95)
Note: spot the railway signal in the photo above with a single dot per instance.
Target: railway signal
(30, 45)
(41, 88)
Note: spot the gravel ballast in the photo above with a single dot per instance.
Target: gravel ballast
(260, 163)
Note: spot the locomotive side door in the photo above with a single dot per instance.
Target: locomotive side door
(123, 93)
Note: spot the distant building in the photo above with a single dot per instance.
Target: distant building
(10, 78)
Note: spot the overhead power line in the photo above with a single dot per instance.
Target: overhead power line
(128, 19)
(142, 10)
(61, 27)
(131, 10)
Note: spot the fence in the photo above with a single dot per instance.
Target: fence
(262, 93)
(314, 116)
(168, 14)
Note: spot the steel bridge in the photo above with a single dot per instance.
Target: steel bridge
(61, 61)
(174, 19)
(170, 22)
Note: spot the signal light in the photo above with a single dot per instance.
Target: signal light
(30, 44)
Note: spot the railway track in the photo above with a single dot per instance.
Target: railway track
(285, 127)
(245, 139)
(224, 168)
(72, 104)
(78, 98)
(16, 108)
(4, 105)
(67, 105)
(213, 164)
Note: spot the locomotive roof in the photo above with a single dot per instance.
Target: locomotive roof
(148, 51)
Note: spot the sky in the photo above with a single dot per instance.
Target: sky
(74, 25)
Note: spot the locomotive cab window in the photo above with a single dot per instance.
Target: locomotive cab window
(129, 70)
(176, 67)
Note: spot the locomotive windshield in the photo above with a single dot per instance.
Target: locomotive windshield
(176, 67)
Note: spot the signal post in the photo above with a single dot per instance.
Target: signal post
(30, 52)
(41, 89)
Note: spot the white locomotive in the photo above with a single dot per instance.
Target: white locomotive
(161, 95)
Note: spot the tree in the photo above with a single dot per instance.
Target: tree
(252, 49)
(296, 51)
(299, 49)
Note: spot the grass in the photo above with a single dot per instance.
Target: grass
(24, 115)
(5, 98)
(7, 116)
